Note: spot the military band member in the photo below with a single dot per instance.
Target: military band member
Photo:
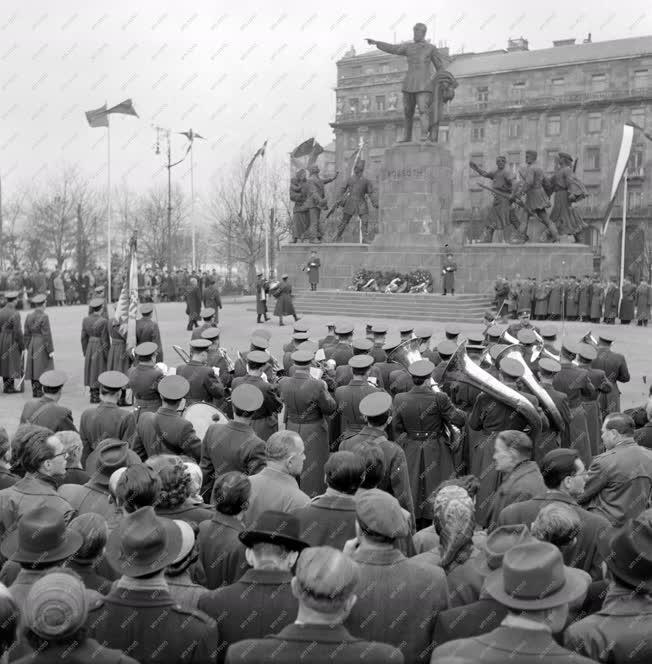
(106, 420)
(148, 330)
(255, 343)
(553, 438)
(420, 418)
(576, 384)
(344, 373)
(615, 367)
(380, 335)
(11, 343)
(387, 366)
(144, 378)
(488, 418)
(452, 332)
(342, 351)
(299, 327)
(331, 338)
(234, 445)
(376, 410)
(307, 405)
(549, 336)
(38, 344)
(216, 356)
(207, 320)
(423, 334)
(368, 331)
(524, 323)
(446, 349)
(46, 411)
(204, 381)
(406, 332)
(586, 355)
(348, 419)
(95, 347)
(265, 419)
(166, 431)
(527, 341)
(298, 339)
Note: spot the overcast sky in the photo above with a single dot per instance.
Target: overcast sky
(236, 72)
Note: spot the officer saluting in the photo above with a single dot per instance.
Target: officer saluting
(11, 343)
(144, 378)
(204, 382)
(95, 346)
(166, 432)
(106, 420)
(38, 342)
(46, 411)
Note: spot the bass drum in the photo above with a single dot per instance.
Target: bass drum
(275, 288)
(202, 415)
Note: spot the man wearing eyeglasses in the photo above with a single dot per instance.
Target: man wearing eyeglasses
(44, 460)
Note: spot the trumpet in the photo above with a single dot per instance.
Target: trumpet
(230, 366)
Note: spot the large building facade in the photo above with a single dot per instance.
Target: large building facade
(573, 97)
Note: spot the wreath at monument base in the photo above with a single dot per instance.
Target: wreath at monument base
(418, 281)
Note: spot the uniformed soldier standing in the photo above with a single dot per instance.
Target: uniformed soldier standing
(344, 374)
(348, 419)
(120, 357)
(216, 357)
(38, 344)
(386, 366)
(297, 339)
(342, 351)
(265, 419)
(576, 384)
(106, 420)
(307, 405)
(148, 330)
(166, 432)
(376, 408)
(488, 418)
(208, 320)
(420, 418)
(204, 382)
(553, 438)
(615, 367)
(586, 354)
(234, 445)
(46, 411)
(144, 378)
(380, 335)
(11, 343)
(95, 346)
(256, 343)
(331, 338)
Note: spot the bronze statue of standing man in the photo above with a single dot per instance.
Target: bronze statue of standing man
(418, 82)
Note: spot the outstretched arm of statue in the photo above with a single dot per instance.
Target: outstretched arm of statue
(394, 49)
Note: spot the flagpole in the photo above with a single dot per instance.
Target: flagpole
(108, 212)
(192, 206)
(624, 236)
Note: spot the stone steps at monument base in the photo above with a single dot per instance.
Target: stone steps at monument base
(467, 308)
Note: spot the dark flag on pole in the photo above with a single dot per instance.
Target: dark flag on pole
(259, 153)
(99, 116)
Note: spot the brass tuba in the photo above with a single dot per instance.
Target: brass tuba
(548, 405)
(588, 338)
(462, 369)
(406, 354)
(508, 339)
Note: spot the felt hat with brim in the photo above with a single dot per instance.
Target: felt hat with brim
(146, 349)
(533, 577)
(274, 527)
(53, 379)
(107, 457)
(143, 543)
(497, 544)
(38, 299)
(627, 553)
(41, 537)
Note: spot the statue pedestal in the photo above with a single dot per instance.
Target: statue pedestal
(416, 196)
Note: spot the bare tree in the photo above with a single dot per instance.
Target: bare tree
(13, 214)
(241, 238)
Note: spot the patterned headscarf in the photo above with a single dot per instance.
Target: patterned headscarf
(454, 521)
